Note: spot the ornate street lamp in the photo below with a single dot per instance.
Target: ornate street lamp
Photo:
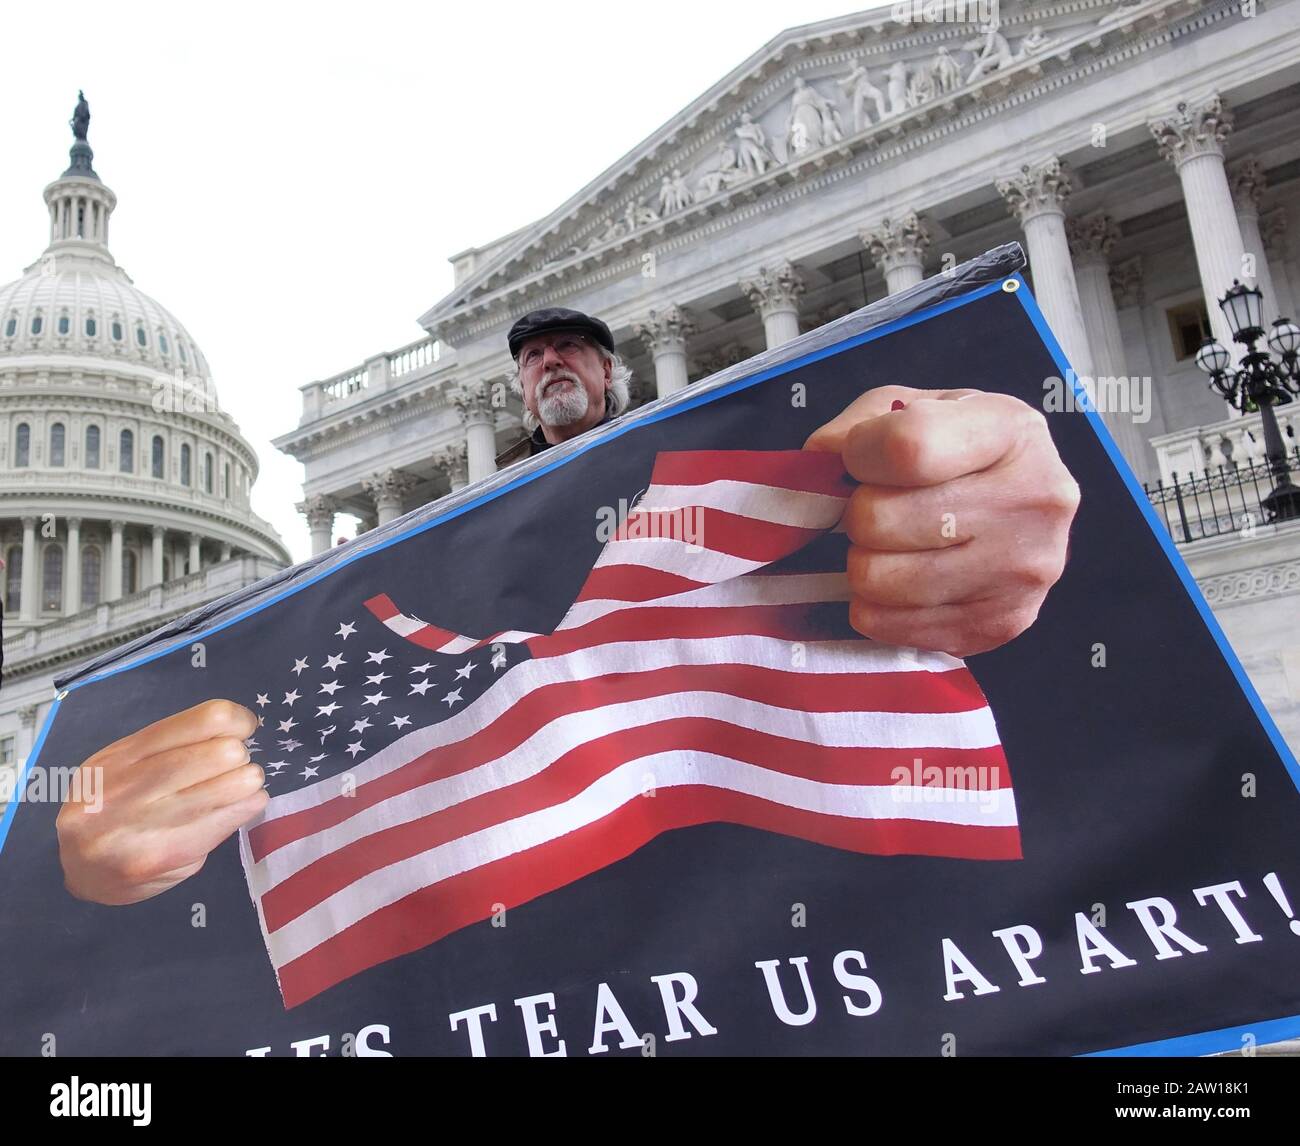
(1259, 381)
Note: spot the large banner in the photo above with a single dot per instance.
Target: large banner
(587, 759)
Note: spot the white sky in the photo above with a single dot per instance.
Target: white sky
(291, 178)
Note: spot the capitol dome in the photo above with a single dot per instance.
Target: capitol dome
(120, 475)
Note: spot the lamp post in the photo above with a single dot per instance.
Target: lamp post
(1259, 380)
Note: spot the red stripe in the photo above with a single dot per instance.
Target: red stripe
(633, 583)
(429, 637)
(808, 471)
(953, 691)
(436, 911)
(580, 767)
(720, 531)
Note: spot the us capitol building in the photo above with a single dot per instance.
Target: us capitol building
(124, 489)
(1146, 154)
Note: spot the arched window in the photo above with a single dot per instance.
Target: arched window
(11, 327)
(207, 473)
(126, 452)
(162, 343)
(58, 437)
(92, 327)
(92, 562)
(14, 578)
(23, 445)
(130, 571)
(157, 458)
(180, 347)
(52, 579)
(65, 324)
(141, 337)
(185, 464)
(38, 324)
(92, 447)
(116, 331)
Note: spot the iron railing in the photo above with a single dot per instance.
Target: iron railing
(1224, 501)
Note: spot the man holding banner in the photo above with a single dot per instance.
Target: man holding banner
(958, 526)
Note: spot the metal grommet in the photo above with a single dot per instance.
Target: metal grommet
(63, 695)
(1011, 285)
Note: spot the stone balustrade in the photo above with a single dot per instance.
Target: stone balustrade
(1198, 450)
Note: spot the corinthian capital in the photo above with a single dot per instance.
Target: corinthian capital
(897, 242)
(388, 488)
(666, 329)
(774, 288)
(1193, 130)
(1091, 238)
(1248, 183)
(453, 463)
(319, 511)
(1037, 189)
(473, 403)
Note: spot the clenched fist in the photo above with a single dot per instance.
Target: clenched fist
(171, 793)
(960, 525)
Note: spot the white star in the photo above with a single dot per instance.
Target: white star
(332, 663)
(378, 678)
(463, 672)
(499, 659)
(420, 686)
(261, 720)
(451, 698)
(288, 725)
(278, 764)
(326, 709)
(400, 721)
(353, 749)
(379, 657)
(299, 663)
(318, 759)
(331, 686)
(361, 725)
(308, 773)
(375, 698)
(290, 697)
(251, 743)
(290, 745)
(346, 629)
(422, 668)
(327, 732)
(262, 700)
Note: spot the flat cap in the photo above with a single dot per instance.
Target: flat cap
(557, 318)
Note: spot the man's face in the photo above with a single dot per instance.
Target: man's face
(564, 378)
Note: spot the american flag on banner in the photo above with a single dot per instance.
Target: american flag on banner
(421, 778)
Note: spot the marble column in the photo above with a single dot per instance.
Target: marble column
(156, 556)
(114, 570)
(319, 511)
(195, 562)
(1192, 139)
(225, 551)
(453, 464)
(1247, 182)
(1091, 240)
(389, 489)
(72, 568)
(1037, 195)
(897, 247)
(29, 609)
(774, 292)
(664, 333)
(475, 408)
(1272, 228)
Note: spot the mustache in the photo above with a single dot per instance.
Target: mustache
(556, 376)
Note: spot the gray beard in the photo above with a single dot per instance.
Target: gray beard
(565, 407)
